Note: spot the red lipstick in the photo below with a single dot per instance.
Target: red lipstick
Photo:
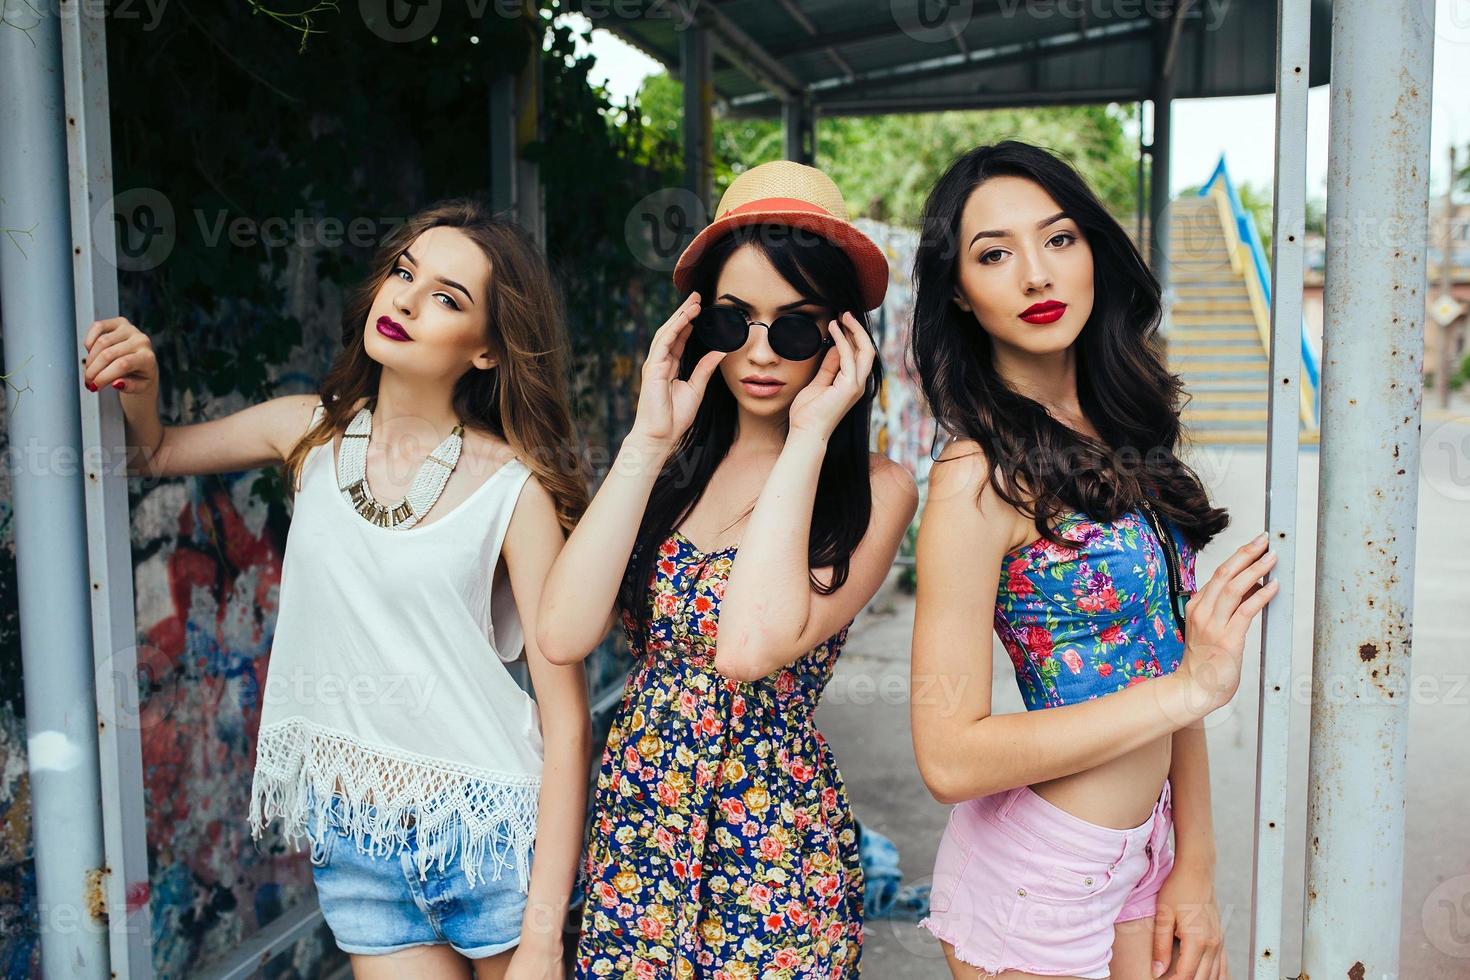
(1048, 312)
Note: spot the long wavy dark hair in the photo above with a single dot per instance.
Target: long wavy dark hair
(522, 399)
(844, 501)
(1038, 464)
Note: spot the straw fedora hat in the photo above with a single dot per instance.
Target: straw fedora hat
(789, 193)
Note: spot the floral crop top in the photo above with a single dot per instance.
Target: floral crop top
(1084, 621)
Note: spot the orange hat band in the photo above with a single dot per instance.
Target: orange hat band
(778, 204)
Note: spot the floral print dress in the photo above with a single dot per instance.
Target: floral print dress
(722, 845)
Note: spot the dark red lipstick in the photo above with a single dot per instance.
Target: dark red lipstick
(391, 329)
(1048, 312)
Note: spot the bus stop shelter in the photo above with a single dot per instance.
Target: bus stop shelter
(802, 60)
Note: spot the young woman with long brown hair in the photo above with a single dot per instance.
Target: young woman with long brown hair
(392, 734)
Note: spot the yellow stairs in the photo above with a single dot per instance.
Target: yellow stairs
(1216, 342)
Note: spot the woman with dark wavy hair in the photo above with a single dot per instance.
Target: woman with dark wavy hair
(740, 530)
(1060, 516)
(431, 493)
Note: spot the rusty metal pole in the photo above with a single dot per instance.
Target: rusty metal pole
(1367, 505)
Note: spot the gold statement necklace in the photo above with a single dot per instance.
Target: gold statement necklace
(428, 482)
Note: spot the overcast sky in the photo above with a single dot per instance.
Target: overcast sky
(1203, 128)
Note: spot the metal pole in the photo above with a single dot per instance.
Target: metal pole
(1138, 195)
(109, 541)
(796, 130)
(1372, 395)
(1447, 287)
(1273, 723)
(1158, 192)
(531, 194)
(515, 121)
(42, 360)
(695, 64)
(504, 152)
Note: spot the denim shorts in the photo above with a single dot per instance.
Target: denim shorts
(1021, 884)
(376, 903)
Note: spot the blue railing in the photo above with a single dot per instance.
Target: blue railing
(1245, 227)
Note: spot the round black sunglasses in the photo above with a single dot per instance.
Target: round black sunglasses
(793, 336)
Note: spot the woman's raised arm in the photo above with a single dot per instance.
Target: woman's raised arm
(121, 356)
(582, 588)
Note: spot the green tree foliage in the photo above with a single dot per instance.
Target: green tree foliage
(597, 161)
(885, 165)
(1257, 201)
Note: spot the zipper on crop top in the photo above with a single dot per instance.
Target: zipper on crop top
(1171, 559)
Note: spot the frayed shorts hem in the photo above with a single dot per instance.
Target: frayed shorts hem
(967, 958)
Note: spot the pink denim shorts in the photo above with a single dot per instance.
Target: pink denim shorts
(1021, 884)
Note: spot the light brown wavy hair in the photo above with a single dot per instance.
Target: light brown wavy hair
(523, 399)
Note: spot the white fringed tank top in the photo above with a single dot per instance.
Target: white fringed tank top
(387, 681)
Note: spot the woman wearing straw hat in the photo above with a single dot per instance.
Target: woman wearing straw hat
(721, 837)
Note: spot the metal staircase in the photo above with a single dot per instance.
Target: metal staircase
(1220, 322)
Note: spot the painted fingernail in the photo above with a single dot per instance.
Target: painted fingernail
(1158, 968)
(117, 384)
(91, 386)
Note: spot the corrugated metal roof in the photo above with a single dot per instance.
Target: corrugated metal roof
(860, 56)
